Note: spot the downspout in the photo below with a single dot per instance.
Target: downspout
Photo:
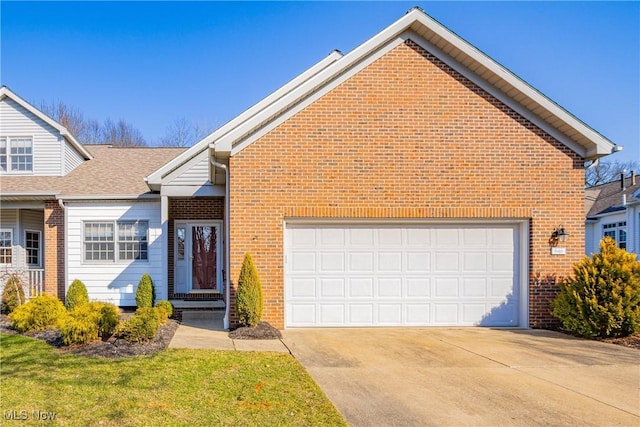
(227, 250)
(65, 241)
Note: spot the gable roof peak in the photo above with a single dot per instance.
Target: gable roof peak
(5, 92)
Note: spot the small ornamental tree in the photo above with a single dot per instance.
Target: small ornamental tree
(602, 298)
(249, 295)
(12, 294)
(146, 292)
(76, 295)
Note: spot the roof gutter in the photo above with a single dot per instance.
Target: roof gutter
(227, 250)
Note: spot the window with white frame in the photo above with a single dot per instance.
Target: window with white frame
(116, 241)
(132, 240)
(33, 248)
(6, 246)
(617, 231)
(16, 154)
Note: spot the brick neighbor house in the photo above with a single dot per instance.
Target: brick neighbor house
(411, 182)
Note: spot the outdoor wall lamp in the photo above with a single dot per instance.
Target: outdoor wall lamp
(558, 235)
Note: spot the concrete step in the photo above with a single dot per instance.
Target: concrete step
(185, 305)
(191, 315)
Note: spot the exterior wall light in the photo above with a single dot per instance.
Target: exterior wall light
(558, 235)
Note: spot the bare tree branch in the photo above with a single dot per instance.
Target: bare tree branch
(604, 172)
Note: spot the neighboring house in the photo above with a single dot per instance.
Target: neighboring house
(70, 211)
(413, 181)
(613, 210)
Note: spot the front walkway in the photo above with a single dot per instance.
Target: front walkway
(207, 332)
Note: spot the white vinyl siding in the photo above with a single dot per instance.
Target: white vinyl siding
(402, 275)
(46, 140)
(72, 159)
(110, 281)
(195, 172)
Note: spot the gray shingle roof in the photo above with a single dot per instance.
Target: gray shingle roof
(607, 197)
(113, 171)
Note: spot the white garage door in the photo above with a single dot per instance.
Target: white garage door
(390, 275)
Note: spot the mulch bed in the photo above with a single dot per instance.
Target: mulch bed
(263, 331)
(633, 341)
(112, 348)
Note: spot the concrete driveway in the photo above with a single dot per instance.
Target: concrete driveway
(470, 376)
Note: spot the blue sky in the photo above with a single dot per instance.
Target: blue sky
(151, 62)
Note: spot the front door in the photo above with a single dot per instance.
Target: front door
(198, 249)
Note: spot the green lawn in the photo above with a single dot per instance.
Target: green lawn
(173, 387)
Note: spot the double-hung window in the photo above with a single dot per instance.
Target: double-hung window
(618, 232)
(32, 245)
(6, 246)
(116, 241)
(16, 154)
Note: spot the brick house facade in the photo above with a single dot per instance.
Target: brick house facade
(406, 138)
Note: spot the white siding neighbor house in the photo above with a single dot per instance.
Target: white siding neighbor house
(613, 210)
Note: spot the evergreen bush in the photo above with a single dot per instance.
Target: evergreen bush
(249, 300)
(146, 293)
(76, 295)
(88, 322)
(168, 307)
(602, 298)
(140, 327)
(12, 294)
(40, 313)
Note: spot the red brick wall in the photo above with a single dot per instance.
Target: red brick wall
(407, 137)
(54, 249)
(199, 209)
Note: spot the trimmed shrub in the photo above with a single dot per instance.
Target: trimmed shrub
(76, 295)
(161, 312)
(12, 294)
(602, 298)
(168, 307)
(88, 322)
(146, 292)
(79, 326)
(108, 320)
(249, 300)
(40, 313)
(140, 327)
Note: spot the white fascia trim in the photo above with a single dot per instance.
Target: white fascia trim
(305, 95)
(5, 92)
(601, 216)
(156, 177)
(108, 197)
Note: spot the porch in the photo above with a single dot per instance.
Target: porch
(32, 281)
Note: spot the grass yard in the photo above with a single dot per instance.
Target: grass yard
(173, 387)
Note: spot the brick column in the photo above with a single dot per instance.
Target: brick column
(54, 249)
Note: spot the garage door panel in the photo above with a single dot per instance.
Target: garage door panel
(332, 287)
(447, 261)
(475, 262)
(378, 275)
(332, 314)
(332, 262)
(445, 287)
(302, 287)
(361, 262)
(389, 314)
(361, 287)
(418, 287)
(390, 287)
(418, 262)
(303, 262)
(389, 261)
